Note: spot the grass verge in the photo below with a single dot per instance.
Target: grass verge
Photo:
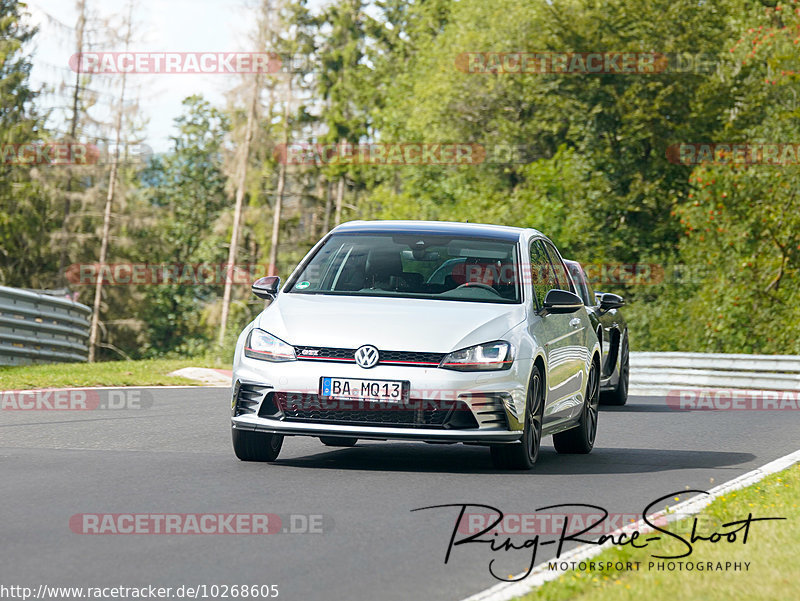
(772, 550)
(151, 372)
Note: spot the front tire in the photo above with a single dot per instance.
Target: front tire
(522, 455)
(619, 395)
(256, 446)
(580, 439)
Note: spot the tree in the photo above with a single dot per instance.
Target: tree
(112, 185)
(26, 214)
(255, 83)
(740, 236)
(342, 84)
(185, 192)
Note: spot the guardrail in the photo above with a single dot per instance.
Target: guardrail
(38, 328)
(659, 373)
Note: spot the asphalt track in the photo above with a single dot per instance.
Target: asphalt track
(174, 456)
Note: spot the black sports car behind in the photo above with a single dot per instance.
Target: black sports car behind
(612, 331)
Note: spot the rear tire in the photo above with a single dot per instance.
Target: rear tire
(619, 395)
(522, 455)
(256, 446)
(338, 441)
(580, 440)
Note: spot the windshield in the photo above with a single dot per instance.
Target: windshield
(413, 266)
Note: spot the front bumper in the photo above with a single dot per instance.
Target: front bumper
(493, 402)
(275, 426)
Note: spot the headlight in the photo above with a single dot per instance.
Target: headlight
(263, 345)
(482, 357)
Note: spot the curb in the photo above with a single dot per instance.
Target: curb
(209, 377)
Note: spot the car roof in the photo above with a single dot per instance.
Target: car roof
(449, 228)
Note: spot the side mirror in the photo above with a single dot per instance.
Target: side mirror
(610, 301)
(266, 287)
(562, 301)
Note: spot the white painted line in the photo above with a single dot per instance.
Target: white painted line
(662, 391)
(505, 591)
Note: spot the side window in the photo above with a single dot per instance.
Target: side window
(589, 289)
(542, 275)
(562, 279)
(577, 279)
(581, 288)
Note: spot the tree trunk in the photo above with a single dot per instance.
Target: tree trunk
(112, 184)
(339, 199)
(326, 220)
(276, 214)
(241, 171)
(263, 28)
(73, 129)
(315, 208)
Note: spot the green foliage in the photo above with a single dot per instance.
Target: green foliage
(595, 172)
(740, 238)
(186, 193)
(26, 213)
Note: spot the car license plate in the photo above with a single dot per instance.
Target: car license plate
(387, 391)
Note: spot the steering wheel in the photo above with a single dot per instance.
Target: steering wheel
(477, 285)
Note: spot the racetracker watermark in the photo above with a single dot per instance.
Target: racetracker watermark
(180, 274)
(585, 63)
(407, 153)
(598, 274)
(75, 399)
(503, 273)
(49, 153)
(175, 63)
(440, 401)
(57, 154)
(733, 400)
(644, 274)
(624, 274)
(745, 153)
(198, 523)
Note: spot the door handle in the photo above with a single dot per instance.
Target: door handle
(575, 322)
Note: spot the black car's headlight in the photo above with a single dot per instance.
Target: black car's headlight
(482, 357)
(263, 345)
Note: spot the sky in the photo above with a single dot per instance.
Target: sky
(163, 25)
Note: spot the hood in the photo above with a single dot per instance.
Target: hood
(398, 324)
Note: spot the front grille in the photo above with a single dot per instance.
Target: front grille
(321, 353)
(343, 355)
(416, 413)
(408, 358)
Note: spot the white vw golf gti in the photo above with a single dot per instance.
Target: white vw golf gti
(428, 331)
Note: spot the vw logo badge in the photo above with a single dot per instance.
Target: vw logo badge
(366, 356)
